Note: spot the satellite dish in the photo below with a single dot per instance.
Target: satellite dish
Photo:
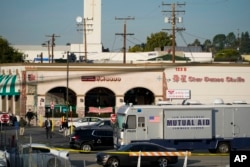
(79, 19)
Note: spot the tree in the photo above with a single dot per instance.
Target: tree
(231, 41)
(8, 54)
(195, 43)
(219, 42)
(136, 48)
(228, 55)
(158, 40)
(245, 43)
(207, 46)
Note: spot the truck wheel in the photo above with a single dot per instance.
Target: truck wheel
(223, 147)
(162, 162)
(113, 162)
(86, 147)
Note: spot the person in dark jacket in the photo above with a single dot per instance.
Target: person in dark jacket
(48, 127)
(22, 125)
(65, 127)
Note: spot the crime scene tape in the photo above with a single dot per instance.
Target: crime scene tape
(183, 153)
(160, 153)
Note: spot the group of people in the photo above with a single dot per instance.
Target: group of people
(47, 125)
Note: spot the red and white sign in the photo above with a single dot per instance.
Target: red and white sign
(100, 110)
(113, 118)
(5, 118)
(52, 106)
(178, 94)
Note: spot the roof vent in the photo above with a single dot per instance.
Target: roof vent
(218, 101)
(191, 102)
(239, 102)
(162, 103)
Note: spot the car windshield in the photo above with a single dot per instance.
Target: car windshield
(120, 120)
(125, 148)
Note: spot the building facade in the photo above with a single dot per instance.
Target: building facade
(102, 88)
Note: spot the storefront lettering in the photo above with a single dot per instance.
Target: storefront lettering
(100, 78)
(105, 78)
(185, 78)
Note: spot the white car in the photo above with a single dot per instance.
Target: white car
(4, 159)
(43, 155)
(85, 121)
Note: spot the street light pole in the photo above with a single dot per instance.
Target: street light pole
(67, 86)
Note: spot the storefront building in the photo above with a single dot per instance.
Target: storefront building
(102, 88)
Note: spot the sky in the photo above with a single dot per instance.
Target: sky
(30, 22)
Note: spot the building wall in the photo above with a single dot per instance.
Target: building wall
(207, 83)
(92, 16)
(118, 79)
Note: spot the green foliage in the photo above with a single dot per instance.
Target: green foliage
(158, 40)
(228, 55)
(245, 43)
(219, 42)
(136, 48)
(195, 43)
(8, 54)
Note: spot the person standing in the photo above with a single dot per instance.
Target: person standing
(48, 127)
(66, 127)
(22, 125)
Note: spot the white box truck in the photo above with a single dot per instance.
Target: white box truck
(216, 127)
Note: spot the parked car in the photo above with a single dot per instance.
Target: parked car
(43, 155)
(88, 139)
(105, 123)
(121, 156)
(4, 162)
(84, 121)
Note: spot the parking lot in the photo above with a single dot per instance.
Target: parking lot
(38, 135)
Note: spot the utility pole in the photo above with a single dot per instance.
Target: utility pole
(83, 22)
(47, 45)
(53, 36)
(173, 20)
(124, 34)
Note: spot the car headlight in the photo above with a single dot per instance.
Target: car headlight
(106, 157)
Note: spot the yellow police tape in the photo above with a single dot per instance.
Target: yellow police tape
(117, 152)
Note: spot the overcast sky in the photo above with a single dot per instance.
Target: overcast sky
(29, 21)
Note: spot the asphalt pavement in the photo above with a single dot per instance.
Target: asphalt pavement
(33, 134)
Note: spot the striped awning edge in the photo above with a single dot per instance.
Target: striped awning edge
(9, 85)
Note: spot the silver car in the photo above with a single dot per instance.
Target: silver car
(35, 154)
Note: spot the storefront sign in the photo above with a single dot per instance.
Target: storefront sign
(101, 78)
(207, 79)
(178, 94)
(100, 110)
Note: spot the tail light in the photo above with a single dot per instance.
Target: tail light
(75, 137)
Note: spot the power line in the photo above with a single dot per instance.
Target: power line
(124, 34)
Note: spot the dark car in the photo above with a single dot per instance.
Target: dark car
(99, 124)
(121, 156)
(88, 139)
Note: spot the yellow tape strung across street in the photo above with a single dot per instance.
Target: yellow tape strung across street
(160, 153)
(150, 153)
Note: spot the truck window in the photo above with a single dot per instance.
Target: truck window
(131, 122)
(141, 121)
